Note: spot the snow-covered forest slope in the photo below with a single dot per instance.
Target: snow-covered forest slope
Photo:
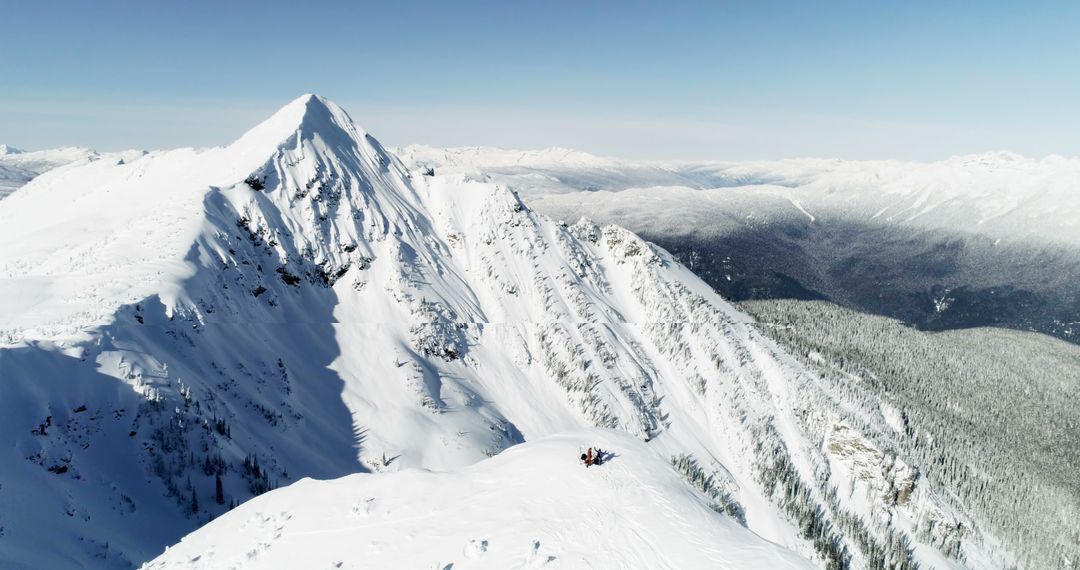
(983, 240)
(183, 330)
(992, 413)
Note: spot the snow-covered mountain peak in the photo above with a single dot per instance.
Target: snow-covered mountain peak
(309, 111)
(312, 139)
(6, 150)
(141, 213)
(305, 118)
(298, 303)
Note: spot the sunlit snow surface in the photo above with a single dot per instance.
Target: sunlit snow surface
(533, 506)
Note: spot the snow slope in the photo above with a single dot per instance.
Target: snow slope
(301, 304)
(532, 506)
(18, 167)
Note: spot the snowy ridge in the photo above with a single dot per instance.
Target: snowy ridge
(301, 304)
(532, 506)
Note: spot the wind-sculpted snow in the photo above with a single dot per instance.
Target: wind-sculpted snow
(190, 329)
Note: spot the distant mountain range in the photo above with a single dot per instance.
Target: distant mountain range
(18, 167)
(982, 240)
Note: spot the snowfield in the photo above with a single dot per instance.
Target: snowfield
(184, 330)
(533, 506)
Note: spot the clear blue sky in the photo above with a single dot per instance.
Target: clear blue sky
(724, 80)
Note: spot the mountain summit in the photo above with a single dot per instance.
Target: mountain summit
(306, 119)
(188, 329)
(309, 114)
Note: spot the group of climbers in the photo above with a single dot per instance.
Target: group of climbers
(591, 457)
